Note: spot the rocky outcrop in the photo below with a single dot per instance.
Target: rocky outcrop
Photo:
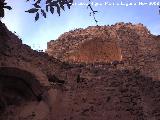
(99, 43)
(133, 44)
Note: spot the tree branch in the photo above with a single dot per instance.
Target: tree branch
(93, 12)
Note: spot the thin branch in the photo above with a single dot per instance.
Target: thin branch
(93, 12)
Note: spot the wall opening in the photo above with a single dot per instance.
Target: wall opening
(17, 87)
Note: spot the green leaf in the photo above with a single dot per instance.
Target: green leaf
(69, 3)
(54, 3)
(51, 9)
(47, 7)
(37, 6)
(62, 6)
(33, 10)
(38, 1)
(61, 3)
(48, 1)
(43, 13)
(58, 10)
(37, 16)
(8, 7)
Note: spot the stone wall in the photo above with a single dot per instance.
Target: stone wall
(133, 44)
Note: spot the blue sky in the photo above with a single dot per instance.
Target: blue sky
(37, 34)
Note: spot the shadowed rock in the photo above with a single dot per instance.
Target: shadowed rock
(54, 79)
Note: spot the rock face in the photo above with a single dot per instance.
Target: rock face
(35, 86)
(99, 43)
(109, 98)
(23, 79)
(133, 44)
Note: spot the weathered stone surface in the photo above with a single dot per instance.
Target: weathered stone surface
(116, 90)
(133, 44)
(23, 80)
(109, 97)
(109, 42)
